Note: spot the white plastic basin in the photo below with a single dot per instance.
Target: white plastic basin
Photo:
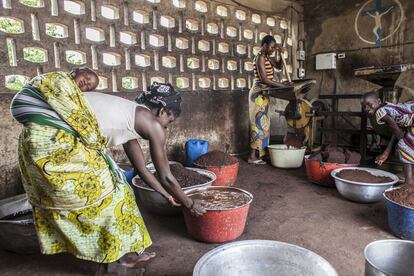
(288, 158)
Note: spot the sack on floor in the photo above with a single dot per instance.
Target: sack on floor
(17, 230)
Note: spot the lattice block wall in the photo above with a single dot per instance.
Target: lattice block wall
(196, 45)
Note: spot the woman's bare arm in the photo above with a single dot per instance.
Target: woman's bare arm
(277, 64)
(391, 144)
(157, 147)
(159, 157)
(151, 129)
(136, 157)
(398, 132)
(384, 156)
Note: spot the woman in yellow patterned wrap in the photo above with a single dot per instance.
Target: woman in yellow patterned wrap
(259, 101)
(81, 201)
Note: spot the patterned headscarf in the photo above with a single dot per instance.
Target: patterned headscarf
(163, 95)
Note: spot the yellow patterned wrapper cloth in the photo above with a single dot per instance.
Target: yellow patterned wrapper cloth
(81, 201)
(259, 119)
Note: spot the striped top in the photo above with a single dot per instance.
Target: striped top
(268, 68)
(402, 114)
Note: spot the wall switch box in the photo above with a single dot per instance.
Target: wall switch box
(301, 55)
(326, 61)
(301, 73)
(341, 55)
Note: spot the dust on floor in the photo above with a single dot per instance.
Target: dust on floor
(286, 208)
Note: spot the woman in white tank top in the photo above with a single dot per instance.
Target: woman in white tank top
(123, 122)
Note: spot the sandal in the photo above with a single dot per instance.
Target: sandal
(256, 162)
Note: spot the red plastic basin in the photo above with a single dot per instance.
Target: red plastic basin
(320, 172)
(218, 226)
(226, 175)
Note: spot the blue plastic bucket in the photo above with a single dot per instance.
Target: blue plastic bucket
(400, 218)
(194, 149)
(128, 171)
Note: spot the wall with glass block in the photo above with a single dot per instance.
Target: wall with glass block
(195, 45)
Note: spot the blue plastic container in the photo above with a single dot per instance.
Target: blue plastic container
(129, 173)
(194, 149)
(400, 219)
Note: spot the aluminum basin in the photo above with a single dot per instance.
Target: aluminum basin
(363, 192)
(156, 203)
(264, 258)
(389, 258)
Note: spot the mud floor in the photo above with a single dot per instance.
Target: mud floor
(286, 207)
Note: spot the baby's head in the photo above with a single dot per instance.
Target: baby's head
(86, 78)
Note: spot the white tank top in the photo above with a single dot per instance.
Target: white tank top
(116, 117)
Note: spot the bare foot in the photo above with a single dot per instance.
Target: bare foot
(131, 260)
(116, 269)
(101, 270)
(136, 272)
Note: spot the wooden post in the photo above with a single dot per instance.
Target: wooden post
(363, 138)
(334, 136)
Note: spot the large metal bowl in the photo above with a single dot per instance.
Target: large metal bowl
(363, 192)
(264, 258)
(389, 258)
(156, 203)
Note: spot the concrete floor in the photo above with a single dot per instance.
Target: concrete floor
(286, 208)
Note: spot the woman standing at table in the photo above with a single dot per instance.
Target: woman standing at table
(259, 101)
